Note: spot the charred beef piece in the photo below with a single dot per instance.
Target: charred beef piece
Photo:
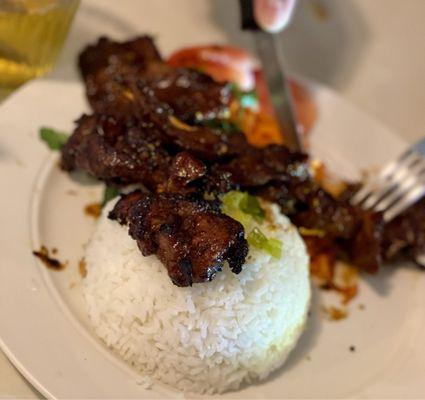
(191, 95)
(404, 236)
(365, 249)
(184, 171)
(354, 232)
(123, 153)
(121, 210)
(107, 68)
(117, 152)
(206, 143)
(137, 53)
(254, 168)
(105, 65)
(190, 237)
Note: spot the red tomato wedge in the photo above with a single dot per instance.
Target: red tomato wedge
(223, 63)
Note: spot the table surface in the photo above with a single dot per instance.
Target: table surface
(370, 51)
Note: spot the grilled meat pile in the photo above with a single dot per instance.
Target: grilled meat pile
(148, 127)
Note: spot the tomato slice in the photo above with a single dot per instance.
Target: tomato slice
(223, 63)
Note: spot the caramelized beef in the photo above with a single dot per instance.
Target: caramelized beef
(206, 143)
(137, 53)
(107, 68)
(255, 168)
(138, 148)
(191, 237)
(184, 171)
(365, 247)
(191, 95)
(122, 208)
(105, 65)
(123, 153)
(404, 237)
(149, 128)
(116, 152)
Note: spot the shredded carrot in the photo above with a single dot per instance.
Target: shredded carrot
(260, 128)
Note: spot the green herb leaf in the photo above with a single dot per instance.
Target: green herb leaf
(54, 139)
(109, 194)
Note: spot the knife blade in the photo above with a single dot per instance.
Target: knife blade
(270, 55)
(280, 92)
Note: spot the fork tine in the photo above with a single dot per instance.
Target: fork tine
(404, 202)
(399, 184)
(400, 190)
(404, 172)
(378, 194)
(364, 192)
(407, 159)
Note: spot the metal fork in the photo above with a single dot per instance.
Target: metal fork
(396, 187)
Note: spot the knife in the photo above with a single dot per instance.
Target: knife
(269, 52)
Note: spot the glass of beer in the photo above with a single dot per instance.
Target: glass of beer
(31, 35)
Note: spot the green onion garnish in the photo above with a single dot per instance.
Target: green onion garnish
(246, 209)
(272, 246)
(257, 239)
(250, 205)
(234, 201)
(54, 139)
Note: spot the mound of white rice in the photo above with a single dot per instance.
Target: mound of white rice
(207, 338)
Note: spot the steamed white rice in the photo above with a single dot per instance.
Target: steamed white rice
(207, 338)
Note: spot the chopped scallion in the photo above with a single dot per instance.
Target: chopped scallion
(250, 205)
(257, 239)
(244, 202)
(274, 247)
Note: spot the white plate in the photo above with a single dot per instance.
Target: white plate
(43, 327)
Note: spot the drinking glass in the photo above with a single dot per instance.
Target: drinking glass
(31, 35)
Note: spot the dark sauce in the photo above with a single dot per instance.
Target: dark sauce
(49, 262)
(93, 210)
